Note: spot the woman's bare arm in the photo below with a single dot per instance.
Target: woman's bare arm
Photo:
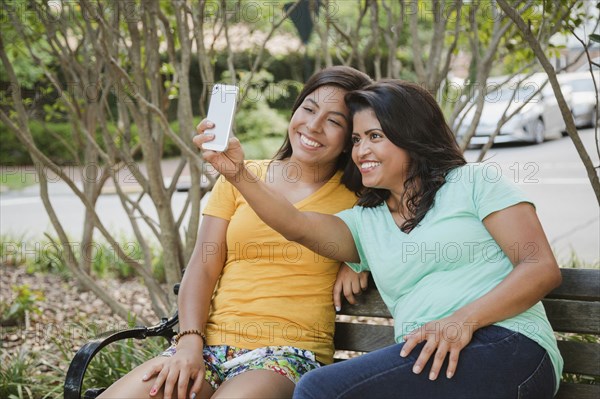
(324, 234)
(186, 367)
(201, 274)
(518, 232)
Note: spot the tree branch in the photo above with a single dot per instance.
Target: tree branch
(564, 108)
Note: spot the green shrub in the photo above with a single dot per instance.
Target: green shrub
(48, 259)
(56, 140)
(260, 127)
(35, 255)
(106, 262)
(24, 301)
(119, 358)
(29, 375)
(11, 252)
(263, 148)
(260, 121)
(15, 375)
(575, 262)
(51, 137)
(20, 377)
(113, 361)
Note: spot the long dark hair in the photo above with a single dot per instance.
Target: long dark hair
(412, 120)
(345, 78)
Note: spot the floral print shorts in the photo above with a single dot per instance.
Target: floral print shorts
(224, 362)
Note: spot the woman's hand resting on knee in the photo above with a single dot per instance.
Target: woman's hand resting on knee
(177, 372)
(447, 336)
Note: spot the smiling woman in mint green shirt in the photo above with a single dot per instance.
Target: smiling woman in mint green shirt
(458, 254)
(450, 259)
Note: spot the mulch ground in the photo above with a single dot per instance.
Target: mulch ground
(66, 313)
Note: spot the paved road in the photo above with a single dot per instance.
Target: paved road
(550, 173)
(553, 176)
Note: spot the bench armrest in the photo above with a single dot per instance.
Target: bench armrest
(83, 357)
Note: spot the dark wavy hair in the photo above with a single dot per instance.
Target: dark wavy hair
(345, 78)
(411, 119)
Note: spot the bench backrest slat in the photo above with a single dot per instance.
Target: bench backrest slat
(580, 358)
(578, 284)
(362, 337)
(369, 304)
(564, 315)
(573, 316)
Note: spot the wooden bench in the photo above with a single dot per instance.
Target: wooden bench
(574, 307)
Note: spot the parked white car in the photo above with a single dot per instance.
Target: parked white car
(538, 119)
(583, 98)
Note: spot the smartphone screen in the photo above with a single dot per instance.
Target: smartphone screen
(220, 111)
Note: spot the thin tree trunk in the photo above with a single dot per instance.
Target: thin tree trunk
(564, 108)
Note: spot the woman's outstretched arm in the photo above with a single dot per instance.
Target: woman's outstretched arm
(324, 234)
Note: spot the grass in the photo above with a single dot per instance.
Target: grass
(21, 378)
(26, 374)
(572, 261)
(49, 257)
(18, 178)
(120, 358)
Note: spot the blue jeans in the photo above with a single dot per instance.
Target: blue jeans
(497, 363)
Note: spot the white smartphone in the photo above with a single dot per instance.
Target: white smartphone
(220, 111)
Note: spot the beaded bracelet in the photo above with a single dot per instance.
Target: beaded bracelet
(187, 332)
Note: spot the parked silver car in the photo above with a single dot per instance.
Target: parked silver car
(538, 117)
(583, 98)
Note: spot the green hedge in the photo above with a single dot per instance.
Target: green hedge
(56, 140)
(12, 152)
(262, 129)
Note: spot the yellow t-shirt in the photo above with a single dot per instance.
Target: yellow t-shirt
(273, 291)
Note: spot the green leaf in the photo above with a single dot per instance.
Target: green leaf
(13, 311)
(595, 37)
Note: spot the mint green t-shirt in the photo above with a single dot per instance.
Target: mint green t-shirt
(449, 259)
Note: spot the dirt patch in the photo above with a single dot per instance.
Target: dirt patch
(66, 313)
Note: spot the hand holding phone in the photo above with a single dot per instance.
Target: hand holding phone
(220, 111)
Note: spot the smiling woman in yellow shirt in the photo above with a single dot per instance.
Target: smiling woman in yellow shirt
(273, 291)
(255, 310)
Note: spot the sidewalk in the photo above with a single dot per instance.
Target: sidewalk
(58, 186)
(23, 215)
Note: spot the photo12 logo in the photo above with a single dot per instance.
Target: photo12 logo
(88, 173)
